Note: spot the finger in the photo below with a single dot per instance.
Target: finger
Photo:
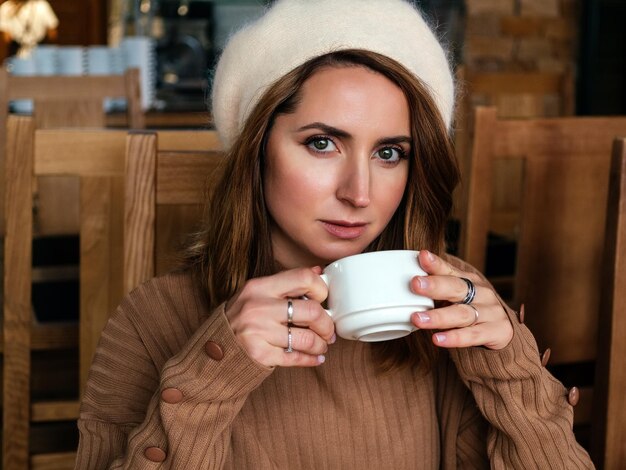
(310, 314)
(443, 287)
(299, 359)
(433, 264)
(302, 339)
(493, 335)
(291, 283)
(452, 316)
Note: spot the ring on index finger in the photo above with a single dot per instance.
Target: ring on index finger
(471, 292)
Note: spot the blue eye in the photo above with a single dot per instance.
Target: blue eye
(390, 154)
(321, 145)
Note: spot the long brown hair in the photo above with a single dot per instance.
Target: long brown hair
(235, 243)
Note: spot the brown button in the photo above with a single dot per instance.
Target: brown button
(214, 350)
(521, 314)
(155, 454)
(545, 357)
(171, 395)
(573, 396)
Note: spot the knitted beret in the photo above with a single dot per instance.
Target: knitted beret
(292, 32)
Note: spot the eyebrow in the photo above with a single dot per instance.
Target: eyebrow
(334, 131)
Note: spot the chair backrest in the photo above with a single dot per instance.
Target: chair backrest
(64, 101)
(514, 95)
(609, 429)
(97, 158)
(101, 180)
(165, 184)
(559, 246)
(558, 261)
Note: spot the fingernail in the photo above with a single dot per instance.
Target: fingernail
(441, 338)
(317, 269)
(321, 359)
(424, 317)
(430, 256)
(333, 338)
(422, 282)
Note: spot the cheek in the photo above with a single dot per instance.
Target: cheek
(390, 192)
(291, 190)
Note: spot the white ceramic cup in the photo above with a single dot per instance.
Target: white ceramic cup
(369, 295)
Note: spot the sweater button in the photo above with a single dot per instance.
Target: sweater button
(521, 314)
(214, 350)
(171, 395)
(155, 454)
(545, 357)
(573, 396)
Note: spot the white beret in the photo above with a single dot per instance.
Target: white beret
(292, 32)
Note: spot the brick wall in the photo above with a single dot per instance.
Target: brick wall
(521, 35)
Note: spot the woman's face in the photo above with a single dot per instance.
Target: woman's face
(336, 167)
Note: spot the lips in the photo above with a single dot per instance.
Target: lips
(344, 229)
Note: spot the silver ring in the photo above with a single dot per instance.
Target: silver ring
(475, 315)
(289, 312)
(471, 292)
(289, 348)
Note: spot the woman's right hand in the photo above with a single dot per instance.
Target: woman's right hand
(258, 317)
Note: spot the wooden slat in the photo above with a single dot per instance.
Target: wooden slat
(54, 112)
(17, 281)
(545, 137)
(60, 461)
(474, 236)
(132, 89)
(106, 86)
(101, 255)
(140, 211)
(188, 140)
(54, 411)
(182, 176)
(80, 152)
(165, 119)
(46, 337)
(609, 426)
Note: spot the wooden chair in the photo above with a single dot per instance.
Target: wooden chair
(158, 181)
(28, 158)
(609, 427)
(515, 95)
(97, 158)
(64, 101)
(559, 247)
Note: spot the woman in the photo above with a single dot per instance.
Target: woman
(26, 23)
(335, 117)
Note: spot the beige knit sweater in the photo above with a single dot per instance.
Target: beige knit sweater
(170, 387)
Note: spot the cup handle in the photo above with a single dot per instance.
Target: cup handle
(325, 279)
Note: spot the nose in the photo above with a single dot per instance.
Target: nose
(354, 184)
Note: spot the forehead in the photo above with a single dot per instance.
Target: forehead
(351, 95)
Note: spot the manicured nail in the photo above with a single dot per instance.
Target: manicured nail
(422, 282)
(333, 338)
(424, 317)
(321, 359)
(441, 338)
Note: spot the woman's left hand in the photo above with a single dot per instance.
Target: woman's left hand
(482, 323)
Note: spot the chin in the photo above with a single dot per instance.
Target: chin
(334, 253)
